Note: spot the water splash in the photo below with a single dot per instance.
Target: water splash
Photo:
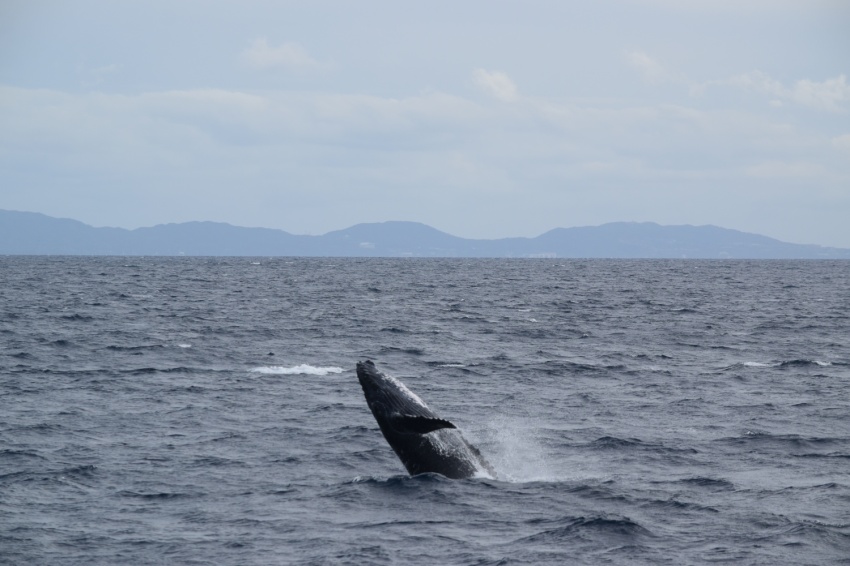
(513, 445)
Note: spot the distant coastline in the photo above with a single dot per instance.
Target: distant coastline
(30, 233)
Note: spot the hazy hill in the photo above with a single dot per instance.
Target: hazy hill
(28, 233)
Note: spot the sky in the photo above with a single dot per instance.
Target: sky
(482, 118)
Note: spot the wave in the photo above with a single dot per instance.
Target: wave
(134, 348)
(708, 482)
(153, 495)
(564, 367)
(395, 350)
(607, 442)
(81, 471)
(399, 479)
(787, 441)
(178, 369)
(784, 364)
(77, 317)
(604, 525)
(677, 505)
(303, 369)
(828, 455)
(19, 454)
(804, 363)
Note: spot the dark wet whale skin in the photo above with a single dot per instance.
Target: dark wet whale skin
(422, 440)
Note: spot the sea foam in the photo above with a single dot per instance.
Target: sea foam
(303, 369)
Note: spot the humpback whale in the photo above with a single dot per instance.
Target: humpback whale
(423, 441)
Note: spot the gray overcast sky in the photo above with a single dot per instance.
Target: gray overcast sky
(481, 118)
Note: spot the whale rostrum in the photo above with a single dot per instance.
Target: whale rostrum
(423, 441)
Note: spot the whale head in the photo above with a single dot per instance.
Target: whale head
(386, 395)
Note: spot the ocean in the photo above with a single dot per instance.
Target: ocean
(206, 411)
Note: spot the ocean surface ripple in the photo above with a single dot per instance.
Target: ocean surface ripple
(206, 411)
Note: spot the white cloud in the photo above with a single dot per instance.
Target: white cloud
(842, 143)
(830, 94)
(496, 84)
(96, 76)
(261, 55)
(785, 169)
(651, 69)
(827, 95)
(736, 6)
(757, 81)
(544, 139)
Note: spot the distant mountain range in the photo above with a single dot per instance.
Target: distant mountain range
(29, 233)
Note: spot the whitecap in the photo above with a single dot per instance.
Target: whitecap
(184, 345)
(303, 369)
(756, 365)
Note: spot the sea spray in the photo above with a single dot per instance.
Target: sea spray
(514, 447)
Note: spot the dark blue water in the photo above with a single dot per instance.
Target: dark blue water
(200, 411)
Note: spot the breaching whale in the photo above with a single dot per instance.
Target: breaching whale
(422, 440)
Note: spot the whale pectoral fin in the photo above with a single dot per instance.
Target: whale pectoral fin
(410, 424)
